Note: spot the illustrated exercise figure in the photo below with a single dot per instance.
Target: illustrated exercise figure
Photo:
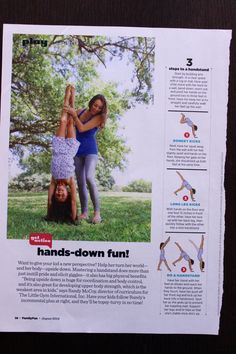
(184, 119)
(162, 255)
(62, 188)
(186, 185)
(87, 122)
(199, 253)
(185, 256)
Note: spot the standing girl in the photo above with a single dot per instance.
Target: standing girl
(87, 122)
(162, 255)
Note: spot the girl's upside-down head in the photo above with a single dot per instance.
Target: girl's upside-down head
(60, 211)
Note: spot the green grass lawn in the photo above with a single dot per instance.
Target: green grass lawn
(126, 218)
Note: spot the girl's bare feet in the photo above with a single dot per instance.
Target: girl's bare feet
(97, 218)
(72, 97)
(67, 95)
(83, 216)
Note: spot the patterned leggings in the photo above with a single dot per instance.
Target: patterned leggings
(85, 167)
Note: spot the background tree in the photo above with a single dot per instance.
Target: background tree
(139, 185)
(40, 74)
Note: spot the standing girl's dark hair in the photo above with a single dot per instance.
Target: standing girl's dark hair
(102, 99)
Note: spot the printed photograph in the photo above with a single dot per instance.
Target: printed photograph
(82, 137)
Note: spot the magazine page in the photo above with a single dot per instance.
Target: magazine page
(113, 144)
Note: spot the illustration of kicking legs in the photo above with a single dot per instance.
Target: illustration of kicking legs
(185, 256)
(184, 119)
(186, 185)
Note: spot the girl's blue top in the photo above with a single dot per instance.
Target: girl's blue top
(88, 143)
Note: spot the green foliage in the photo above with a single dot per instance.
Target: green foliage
(139, 185)
(39, 78)
(103, 175)
(34, 182)
(36, 163)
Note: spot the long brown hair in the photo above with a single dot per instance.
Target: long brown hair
(60, 211)
(101, 98)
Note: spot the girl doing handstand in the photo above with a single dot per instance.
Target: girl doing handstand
(199, 253)
(62, 189)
